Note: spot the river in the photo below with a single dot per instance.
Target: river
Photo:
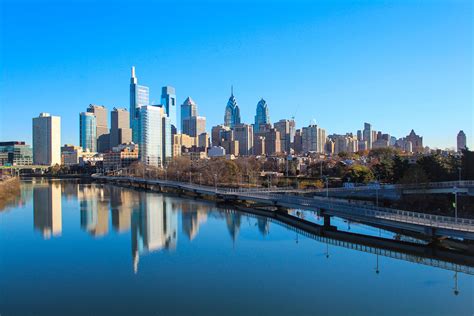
(86, 249)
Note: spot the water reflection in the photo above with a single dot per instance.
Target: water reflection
(152, 220)
(47, 216)
(154, 227)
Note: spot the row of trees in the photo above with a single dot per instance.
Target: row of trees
(385, 165)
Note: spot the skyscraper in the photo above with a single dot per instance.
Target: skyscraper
(416, 140)
(461, 141)
(232, 111)
(284, 127)
(155, 135)
(310, 138)
(188, 110)
(46, 140)
(367, 135)
(139, 96)
(261, 116)
(87, 131)
(243, 133)
(102, 129)
(120, 131)
(168, 99)
(197, 126)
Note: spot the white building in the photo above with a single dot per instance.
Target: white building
(47, 140)
(151, 135)
(216, 151)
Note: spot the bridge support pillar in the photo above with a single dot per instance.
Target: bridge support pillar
(327, 220)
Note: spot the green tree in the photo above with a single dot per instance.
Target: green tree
(359, 174)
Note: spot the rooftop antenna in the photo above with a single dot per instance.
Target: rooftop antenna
(232, 90)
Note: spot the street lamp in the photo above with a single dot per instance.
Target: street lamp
(215, 182)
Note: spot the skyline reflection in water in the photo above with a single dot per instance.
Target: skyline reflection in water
(127, 240)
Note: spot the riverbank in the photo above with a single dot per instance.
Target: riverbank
(9, 191)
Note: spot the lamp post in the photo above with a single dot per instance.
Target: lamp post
(215, 182)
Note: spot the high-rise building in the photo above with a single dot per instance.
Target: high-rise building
(139, 96)
(416, 141)
(188, 110)
(232, 112)
(217, 134)
(310, 138)
(168, 99)
(46, 139)
(461, 141)
(197, 126)
(298, 142)
(87, 131)
(102, 129)
(367, 135)
(243, 133)
(167, 140)
(120, 131)
(155, 135)
(261, 116)
(284, 127)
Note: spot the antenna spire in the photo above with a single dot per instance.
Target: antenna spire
(232, 90)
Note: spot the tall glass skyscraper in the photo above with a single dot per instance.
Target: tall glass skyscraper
(88, 131)
(188, 110)
(139, 96)
(155, 135)
(262, 116)
(168, 99)
(232, 112)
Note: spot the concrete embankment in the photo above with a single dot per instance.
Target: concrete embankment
(9, 191)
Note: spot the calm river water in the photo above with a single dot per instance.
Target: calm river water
(85, 249)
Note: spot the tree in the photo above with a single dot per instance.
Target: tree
(359, 174)
(414, 174)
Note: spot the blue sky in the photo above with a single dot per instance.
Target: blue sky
(396, 64)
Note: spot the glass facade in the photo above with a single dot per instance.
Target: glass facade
(88, 131)
(262, 116)
(139, 96)
(168, 99)
(151, 135)
(232, 112)
(15, 154)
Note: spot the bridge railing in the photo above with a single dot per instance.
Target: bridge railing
(374, 211)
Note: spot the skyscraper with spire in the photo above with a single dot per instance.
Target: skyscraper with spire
(139, 96)
(168, 99)
(261, 116)
(232, 111)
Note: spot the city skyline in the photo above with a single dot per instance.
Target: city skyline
(394, 91)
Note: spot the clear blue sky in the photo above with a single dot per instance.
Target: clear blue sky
(396, 64)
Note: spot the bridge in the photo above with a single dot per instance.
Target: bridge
(395, 191)
(432, 226)
(394, 249)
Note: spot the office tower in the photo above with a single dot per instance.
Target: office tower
(359, 135)
(286, 128)
(416, 140)
(243, 133)
(87, 131)
(152, 135)
(47, 211)
(367, 135)
(46, 140)
(197, 126)
(168, 99)
(258, 145)
(298, 141)
(102, 130)
(188, 110)
(310, 138)
(166, 140)
(139, 96)
(216, 134)
(232, 112)
(15, 154)
(461, 141)
(271, 137)
(321, 140)
(120, 131)
(261, 116)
